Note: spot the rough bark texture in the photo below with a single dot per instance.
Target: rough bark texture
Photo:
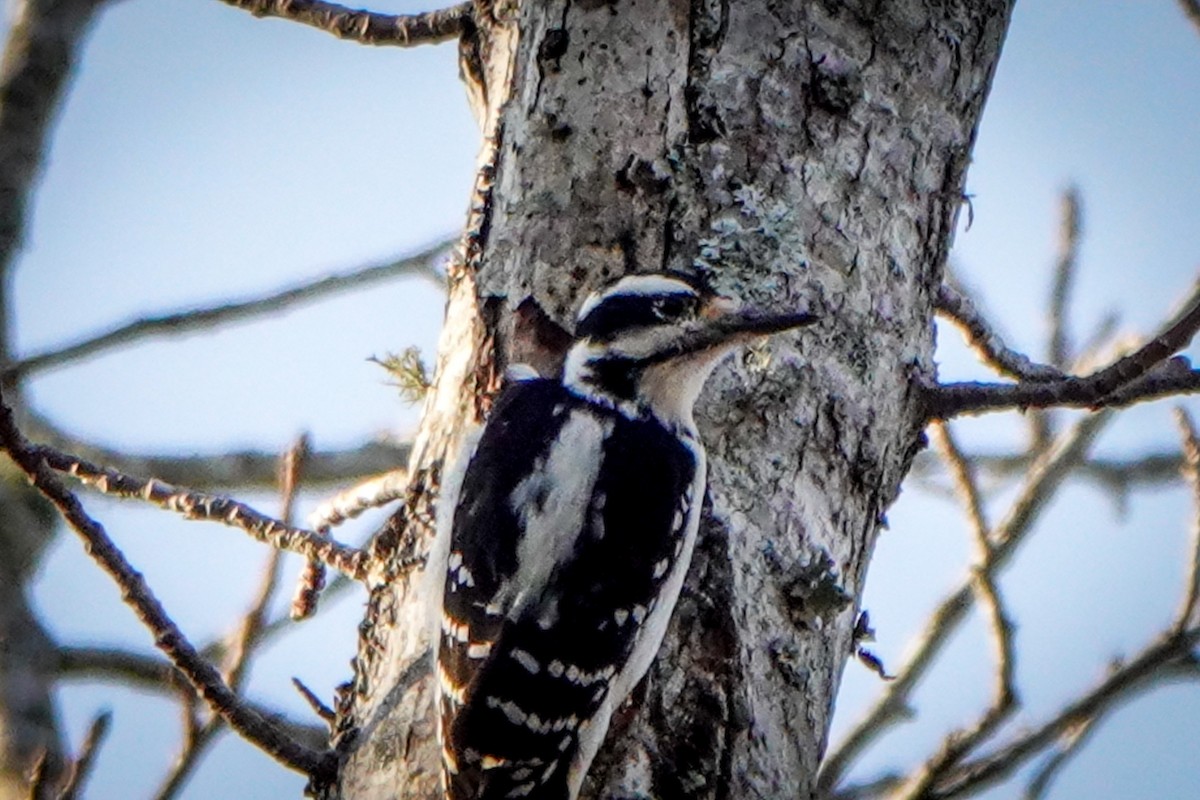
(803, 154)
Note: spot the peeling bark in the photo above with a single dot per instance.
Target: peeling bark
(803, 154)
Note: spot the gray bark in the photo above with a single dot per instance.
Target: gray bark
(804, 154)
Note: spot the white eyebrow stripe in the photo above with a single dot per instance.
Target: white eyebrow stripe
(637, 285)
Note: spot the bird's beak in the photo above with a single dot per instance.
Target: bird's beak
(723, 322)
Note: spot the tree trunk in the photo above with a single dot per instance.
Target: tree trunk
(40, 51)
(803, 154)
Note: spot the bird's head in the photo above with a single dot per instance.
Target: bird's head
(647, 343)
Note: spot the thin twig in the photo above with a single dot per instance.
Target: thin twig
(373, 493)
(200, 506)
(167, 636)
(1114, 474)
(1045, 476)
(1059, 350)
(1147, 373)
(82, 766)
(1041, 422)
(1070, 743)
(1169, 656)
(158, 675)
(178, 323)
(320, 709)
(955, 306)
(198, 737)
(365, 27)
(309, 584)
(959, 744)
(252, 622)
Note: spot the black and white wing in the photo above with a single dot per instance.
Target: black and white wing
(570, 535)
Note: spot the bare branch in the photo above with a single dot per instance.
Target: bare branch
(122, 665)
(1045, 476)
(348, 504)
(1070, 743)
(877, 787)
(320, 709)
(249, 630)
(82, 766)
(308, 588)
(158, 675)
(959, 744)
(178, 323)
(200, 506)
(1142, 375)
(167, 636)
(1064, 273)
(241, 468)
(956, 307)
(1169, 656)
(1117, 475)
(197, 737)
(365, 27)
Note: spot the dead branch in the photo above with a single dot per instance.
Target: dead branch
(167, 636)
(1145, 374)
(178, 323)
(115, 663)
(1170, 656)
(365, 27)
(200, 506)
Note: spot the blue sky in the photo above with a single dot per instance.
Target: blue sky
(204, 154)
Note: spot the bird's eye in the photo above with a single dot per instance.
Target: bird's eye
(674, 307)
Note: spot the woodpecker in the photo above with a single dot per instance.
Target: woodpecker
(565, 535)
